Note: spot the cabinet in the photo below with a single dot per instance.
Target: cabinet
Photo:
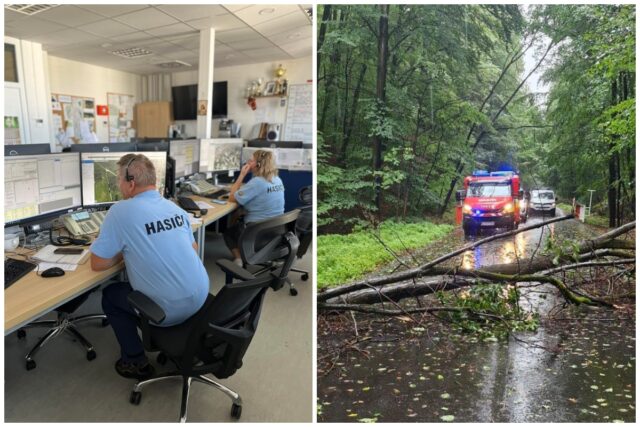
(153, 119)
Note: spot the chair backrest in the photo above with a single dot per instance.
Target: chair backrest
(222, 334)
(304, 224)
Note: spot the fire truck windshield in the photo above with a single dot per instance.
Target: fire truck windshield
(488, 189)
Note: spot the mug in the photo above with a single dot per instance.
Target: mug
(11, 241)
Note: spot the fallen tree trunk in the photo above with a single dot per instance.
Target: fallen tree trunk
(421, 270)
(398, 286)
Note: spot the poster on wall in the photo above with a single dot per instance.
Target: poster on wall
(120, 117)
(74, 119)
(299, 121)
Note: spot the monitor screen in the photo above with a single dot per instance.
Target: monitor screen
(220, 155)
(26, 149)
(187, 156)
(185, 102)
(114, 147)
(100, 176)
(40, 185)
(219, 100)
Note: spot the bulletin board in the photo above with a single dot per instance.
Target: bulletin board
(75, 116)
(299, 121)
(121, 127)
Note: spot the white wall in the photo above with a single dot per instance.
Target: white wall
(238, 78)
(80, 79)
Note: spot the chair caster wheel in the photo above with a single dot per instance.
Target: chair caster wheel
(31, 364)
(236, 411)
(293, 292)
(21, 334)
(91, 354)
(135, 397)
(162, 358)
(304, 277)
(105, 322)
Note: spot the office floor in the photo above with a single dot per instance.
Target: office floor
(275, 381)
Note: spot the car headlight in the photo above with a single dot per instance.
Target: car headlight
(508, 208)
(466, 208)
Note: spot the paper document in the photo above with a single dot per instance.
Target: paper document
(46, 255)
(203, 205)
(47, 265)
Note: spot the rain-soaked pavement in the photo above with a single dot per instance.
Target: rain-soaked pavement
(579, 368)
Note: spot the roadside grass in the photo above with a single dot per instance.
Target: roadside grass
(344, 258)
(595, 220)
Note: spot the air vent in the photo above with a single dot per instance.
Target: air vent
(173, 64)
(29, 9)
(132, 52)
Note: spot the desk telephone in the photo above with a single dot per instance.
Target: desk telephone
(83, 222)
(201, 187)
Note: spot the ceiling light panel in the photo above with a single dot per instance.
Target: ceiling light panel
(29, 9)
(132, 52)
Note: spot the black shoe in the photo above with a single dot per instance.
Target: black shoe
(139, 371)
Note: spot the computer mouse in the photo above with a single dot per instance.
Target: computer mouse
(203, 211)
(53, 272)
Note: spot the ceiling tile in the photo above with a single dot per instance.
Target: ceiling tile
(107, 28)
(146, 18)
(291, 35)
(192, 11)
(284, 23)
(11, 15)
(172, 30)
(272, 52)
(255, 14)
(237, 35)
(299, 49)
(220, 23)
(31, 27)
(69, 15)
(257, 43)
(111, 10)
(235, 7)
(138, 37)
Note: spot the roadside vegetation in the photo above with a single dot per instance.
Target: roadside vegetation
(342, 258)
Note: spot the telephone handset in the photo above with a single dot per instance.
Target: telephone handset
(202, 187)
(83, 222)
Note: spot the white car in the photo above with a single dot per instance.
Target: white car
(543, 201)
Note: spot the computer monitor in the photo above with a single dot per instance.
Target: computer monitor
(186, 153)
(100, 176)
(261, 143)
(40, 186)
(26, 149)
(159, 145)
(114, 147)
(288, 144)
(220, 155)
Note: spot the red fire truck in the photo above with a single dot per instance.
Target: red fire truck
(489, 200)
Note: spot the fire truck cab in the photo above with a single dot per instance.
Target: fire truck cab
(490, 200)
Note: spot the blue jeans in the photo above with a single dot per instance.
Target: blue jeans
(124, 321)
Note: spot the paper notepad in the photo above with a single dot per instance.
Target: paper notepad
(46, 254)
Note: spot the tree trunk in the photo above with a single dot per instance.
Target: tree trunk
(352, 114)
(381, 79)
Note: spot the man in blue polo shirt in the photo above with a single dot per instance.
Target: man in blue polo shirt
(154, 237)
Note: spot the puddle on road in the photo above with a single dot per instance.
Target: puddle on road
(432, 376)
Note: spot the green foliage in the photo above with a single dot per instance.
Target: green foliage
(491, 299)
(343, 258)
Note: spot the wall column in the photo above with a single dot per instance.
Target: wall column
(205, 82)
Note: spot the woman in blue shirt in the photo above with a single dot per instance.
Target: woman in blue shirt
(262, 197)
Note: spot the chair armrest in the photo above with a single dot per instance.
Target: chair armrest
(234, 269)
(261, 281)
(147, 308)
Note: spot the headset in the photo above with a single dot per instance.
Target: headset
(128, 177)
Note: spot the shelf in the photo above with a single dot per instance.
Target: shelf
(284, 95)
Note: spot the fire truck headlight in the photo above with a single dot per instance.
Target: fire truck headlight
(508, 208)
(466, 208)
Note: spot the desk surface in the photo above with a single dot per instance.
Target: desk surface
(33, 296)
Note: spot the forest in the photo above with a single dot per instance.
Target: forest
(411, 99)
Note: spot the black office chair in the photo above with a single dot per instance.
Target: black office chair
(63, 323)
(267, 245)
(213, 341)
(304, 226)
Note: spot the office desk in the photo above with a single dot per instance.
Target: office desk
(32, 296)
(213, 214)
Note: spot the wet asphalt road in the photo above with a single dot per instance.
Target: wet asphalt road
(569, 371)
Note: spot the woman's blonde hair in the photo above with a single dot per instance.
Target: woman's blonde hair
(265, 164)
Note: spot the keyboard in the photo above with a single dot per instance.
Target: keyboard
(14, 269)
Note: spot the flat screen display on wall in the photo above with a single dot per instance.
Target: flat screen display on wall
(185, 101)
